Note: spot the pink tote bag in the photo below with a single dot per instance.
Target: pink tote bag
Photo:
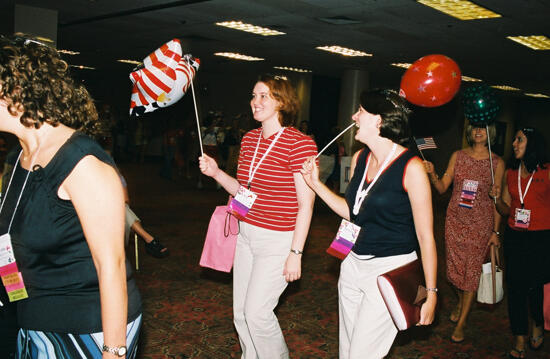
(221, 239)
(546, 306)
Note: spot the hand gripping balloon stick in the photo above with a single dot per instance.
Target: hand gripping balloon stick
(334, 139)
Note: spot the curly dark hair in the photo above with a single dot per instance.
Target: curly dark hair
(393, 110)
(535, 151)
(283, 92)
(35, 82)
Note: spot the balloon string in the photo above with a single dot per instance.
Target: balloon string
(335, 138)
(196, 112)
(490, 157)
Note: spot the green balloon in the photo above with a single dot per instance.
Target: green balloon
(481, 104)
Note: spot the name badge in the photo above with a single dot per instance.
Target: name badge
(240, 205)
(522, 218)
(468, 193)
(345, 239)
(11, 277)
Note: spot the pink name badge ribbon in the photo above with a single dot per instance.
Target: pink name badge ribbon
(240, 205)
(468, 193)
(11, 277)
(344, 240)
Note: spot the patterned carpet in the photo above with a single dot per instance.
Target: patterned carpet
(187, 309)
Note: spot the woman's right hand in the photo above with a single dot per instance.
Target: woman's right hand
(494, 193)
(429, 167)
(208, 165)
(310, 172)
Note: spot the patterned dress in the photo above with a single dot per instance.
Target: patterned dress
(467, 230)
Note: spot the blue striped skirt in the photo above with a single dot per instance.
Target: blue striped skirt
(33, 344)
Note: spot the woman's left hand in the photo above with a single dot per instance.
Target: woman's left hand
(293, 267)
(427, 311)
(493, 241)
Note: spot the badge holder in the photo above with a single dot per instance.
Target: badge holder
(240, 205)
(468, 194)
(522, 218)
(344, 240)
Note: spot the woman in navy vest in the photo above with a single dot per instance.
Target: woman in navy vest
(389, 200)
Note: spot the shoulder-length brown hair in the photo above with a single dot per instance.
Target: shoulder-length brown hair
(283, 92)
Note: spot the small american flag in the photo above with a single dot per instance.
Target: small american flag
(425, 143)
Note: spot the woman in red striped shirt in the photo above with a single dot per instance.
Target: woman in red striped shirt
(274, 228)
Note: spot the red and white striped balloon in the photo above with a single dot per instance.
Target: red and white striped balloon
(163, 79)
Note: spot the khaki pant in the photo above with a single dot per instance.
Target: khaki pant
(258, 282)
(366, 328)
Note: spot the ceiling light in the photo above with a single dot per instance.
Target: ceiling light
(44, 39)
(343, 51)
(403, 65)
(461, 9)
(535, 42)
(505, 88)
(258, 30)
(68, 52)
(537, 95)
(291, 69)
(470, 79)
(82, 67)
(236, 56)
(133, 62)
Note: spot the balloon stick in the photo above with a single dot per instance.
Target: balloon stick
(334, 139)
(490, 157)
(196, 114)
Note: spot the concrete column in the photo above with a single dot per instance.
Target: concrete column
(353, 83)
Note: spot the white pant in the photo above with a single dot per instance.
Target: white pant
(366, 328)
(258, 282)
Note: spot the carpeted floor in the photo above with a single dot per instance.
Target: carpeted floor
(187, 309)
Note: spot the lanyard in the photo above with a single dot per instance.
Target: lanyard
(252, 170)
(522, 195)
(362, 193)
(22, 189)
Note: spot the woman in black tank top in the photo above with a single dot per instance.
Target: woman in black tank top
(63, 214)
(389, 198)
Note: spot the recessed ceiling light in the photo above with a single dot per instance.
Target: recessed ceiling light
(291, 69)
(537, 95)
(82, 67)
(68, 52)
(342, 51)
(133, 62)
(505, 88)
(237, 56)
(258, 30)
(534, 42)
(470, 79)
(403, 65)
(461, 9)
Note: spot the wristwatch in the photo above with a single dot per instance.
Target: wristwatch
(118, 351)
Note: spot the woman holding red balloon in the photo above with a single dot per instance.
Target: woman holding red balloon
(472, 222)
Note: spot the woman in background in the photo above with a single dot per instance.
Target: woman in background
(389, 198)
(64, 211)
(472, 223)
(525, 201)
(273, 232)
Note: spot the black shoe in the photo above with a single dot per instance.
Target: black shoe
(156, 249)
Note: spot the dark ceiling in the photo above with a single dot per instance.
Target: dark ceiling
(391, 30)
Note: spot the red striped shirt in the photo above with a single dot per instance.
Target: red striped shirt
(276, 206)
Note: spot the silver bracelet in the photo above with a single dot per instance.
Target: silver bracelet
(435, 290)
(296, 251)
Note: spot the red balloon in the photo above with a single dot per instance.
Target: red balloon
(431, 81)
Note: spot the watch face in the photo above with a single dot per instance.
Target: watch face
(121, 351)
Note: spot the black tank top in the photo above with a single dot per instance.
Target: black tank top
(51, 251)
(385, 217)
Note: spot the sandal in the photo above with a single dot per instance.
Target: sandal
(535, 343)
(156, 249)
(516, 353)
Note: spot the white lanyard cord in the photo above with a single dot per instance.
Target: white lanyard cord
(362, 193)
(522, 195)
(22, 189)
(252, 170)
